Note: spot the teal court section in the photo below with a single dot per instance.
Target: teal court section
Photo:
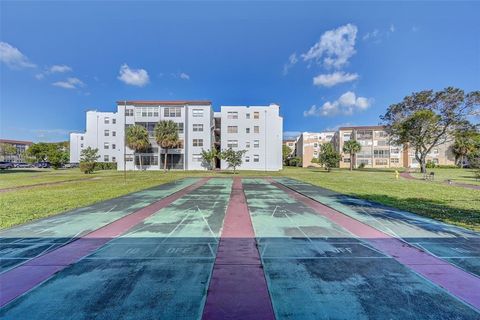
(317, 270)
(160, 269)
(19, 244)
(456, 245)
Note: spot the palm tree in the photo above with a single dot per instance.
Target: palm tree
(137, 139)
(166, 134)
(351, 147)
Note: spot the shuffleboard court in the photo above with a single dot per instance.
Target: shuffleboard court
(456, 245)
(20, 244)
(160, 269)
(316, 269)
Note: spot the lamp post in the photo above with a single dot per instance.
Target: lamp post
(124, 142)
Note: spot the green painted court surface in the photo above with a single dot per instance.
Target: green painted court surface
(314, 268)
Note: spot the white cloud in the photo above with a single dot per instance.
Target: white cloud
(332, 79)
(334, 48)
(134, 77)
(346, 104)
(13, 58)
(292, 60)
(40, 76)
(70, 83)
(376, 36)
(392, 28)
(59, 69)
(184, 76)
(371, 35)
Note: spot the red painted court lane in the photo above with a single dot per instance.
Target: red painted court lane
(459, 283)
(20, 280)
(238, 289)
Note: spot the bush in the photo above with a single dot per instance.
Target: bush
(87, 167)
(447, 167)
(106, 166)
(430, 164)
(361, 165)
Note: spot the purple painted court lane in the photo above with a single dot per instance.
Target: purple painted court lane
(238, 289)
(20, 280)
(459, 283)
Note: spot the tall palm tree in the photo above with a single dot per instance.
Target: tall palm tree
(166, 134)
(352, 147)
(137, 139)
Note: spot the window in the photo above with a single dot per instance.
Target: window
(113, 146)
(256, 115)
(170, 112)
(114, 159)
(256, 129)
(106, 145)
(381, 162)
(129, 113)
(346, 160)
(107, 133)
(81, 138)
(198, 142)
(232, 143)
(315, 145)
(247, 144)
(114, 133)
(105, 158)
(198, 127)
(247, 159)
(232, 129)
(256, 143)
(381, 153)
(81, 145)
(315, 153)
(256, 158)
(232, 115)
(346, 136)
(394, 160)
(197, 157)
(114, 121)
(107, 120)
(247, 115)
(180, 127)
(247, 130)
(129, 157)
(435, 160)
(197, 113)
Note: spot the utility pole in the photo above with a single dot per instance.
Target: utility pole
(124, 142)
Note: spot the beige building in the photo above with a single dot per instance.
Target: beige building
(309, 144)
(378, 152)
(290, 143)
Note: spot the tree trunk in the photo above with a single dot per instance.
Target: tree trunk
(165, 162)
(423, 166)
(461, 161)
(351, 161)
(140, 159)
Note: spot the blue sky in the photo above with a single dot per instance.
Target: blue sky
(326, 64)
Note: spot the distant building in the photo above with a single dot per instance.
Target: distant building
(21, 147)
(309, 144)
(378, 152)
(291, 144)
(257, 129)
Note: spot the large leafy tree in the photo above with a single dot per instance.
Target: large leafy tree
(166, 135)
(466, 145)
(352, 147)
(209, 156)
(328, 156)
(137, 139)
(233, 157)
(286, 154)
(55, 153)
(427, 119)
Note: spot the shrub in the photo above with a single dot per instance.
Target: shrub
(361, 165)
(106, 166)
(447, 167)
(430, 164)
(87, 167)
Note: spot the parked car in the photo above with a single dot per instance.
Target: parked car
(43, 164)
(22, 165)
(6, 165)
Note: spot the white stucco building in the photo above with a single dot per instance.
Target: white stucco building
(258, 130)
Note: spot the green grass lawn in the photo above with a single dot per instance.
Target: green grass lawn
(456, 175)
(439, 201)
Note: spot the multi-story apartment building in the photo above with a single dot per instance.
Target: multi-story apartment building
(198, 130)
(256, 129)
(309, 145)
(378, 152)
(20, 146)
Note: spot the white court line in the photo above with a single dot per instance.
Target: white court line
(111, 209)
(209, 228)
